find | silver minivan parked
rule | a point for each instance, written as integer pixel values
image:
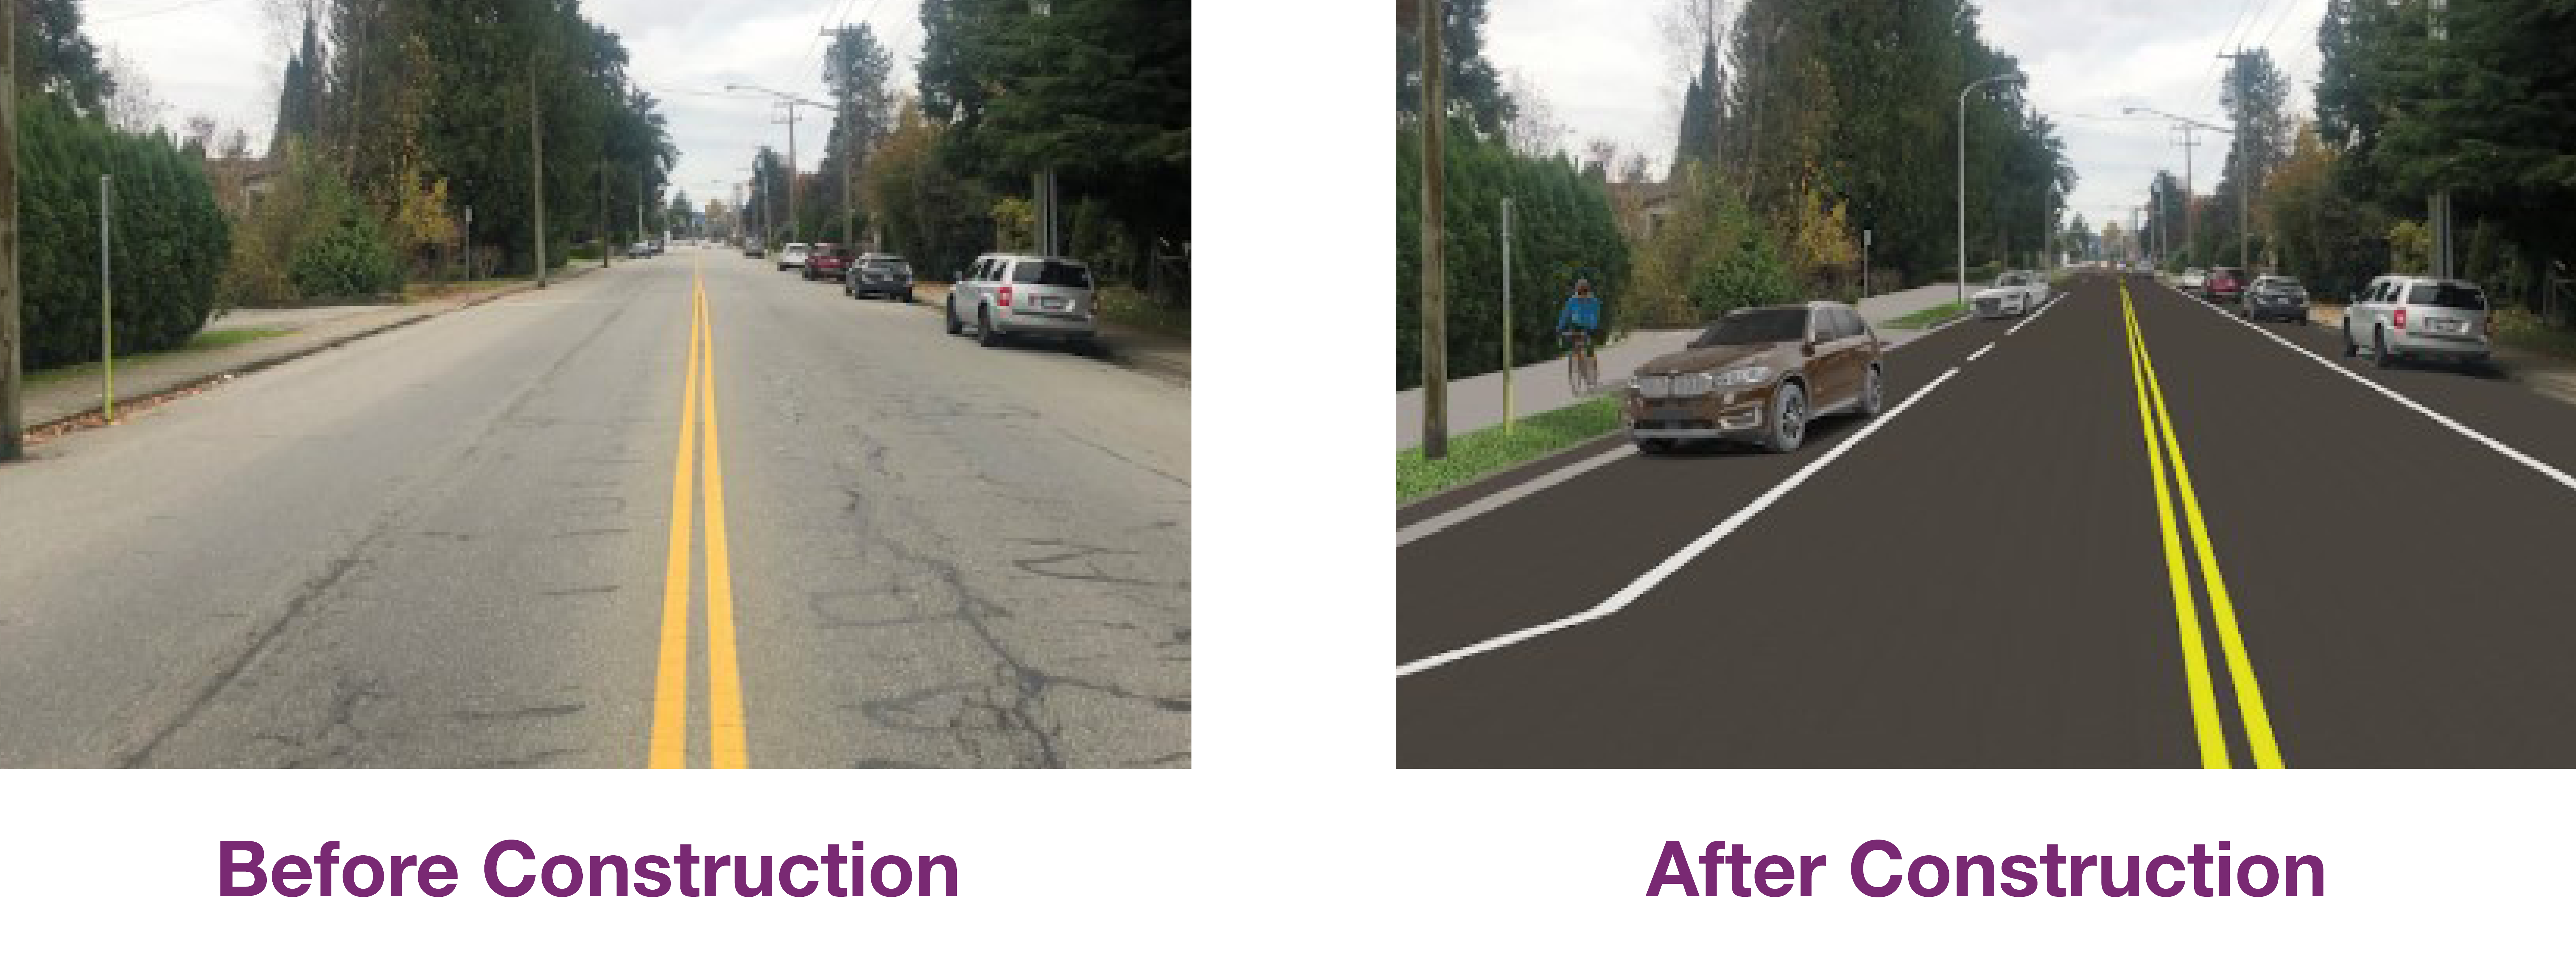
(2417, 317)
(1005, 294)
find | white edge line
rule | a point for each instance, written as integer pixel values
(2518, 456)
(1638, 587)
(1981, 350)
(1491, 501)
(1495, 501)
(1672, 564)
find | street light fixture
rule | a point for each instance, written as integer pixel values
(2016, 78)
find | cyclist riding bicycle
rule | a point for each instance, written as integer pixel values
(1577, 323)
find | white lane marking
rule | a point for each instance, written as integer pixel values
(1443, 521)
(1638, 587)
(2454, 425)
(1982, 350)
(2027, 319)
(1454, 517)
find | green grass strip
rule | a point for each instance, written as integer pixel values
(1917, 320)
(204, 341)
(2521, 329)
(1493, 449)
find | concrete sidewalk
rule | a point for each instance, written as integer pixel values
(72, 397)
(1477, 402)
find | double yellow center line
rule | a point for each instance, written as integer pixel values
(724, 675)
(2163, 447)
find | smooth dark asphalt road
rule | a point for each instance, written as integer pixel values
(447, 546)
(1983, 581)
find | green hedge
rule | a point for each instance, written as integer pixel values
(1562, 222)
(169, 240)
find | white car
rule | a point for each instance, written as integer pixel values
(2014, 293)
(792, 256)
(2416, 317)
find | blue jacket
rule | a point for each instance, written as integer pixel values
(1581, 311)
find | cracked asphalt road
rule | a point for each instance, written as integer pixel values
(445, 546)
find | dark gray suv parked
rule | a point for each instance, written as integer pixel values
(878, 273)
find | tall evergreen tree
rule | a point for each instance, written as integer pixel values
(55, 57)
(299, 95)
(1701, 107)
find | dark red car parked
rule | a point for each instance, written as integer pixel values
(2225, 286)
(827, 261)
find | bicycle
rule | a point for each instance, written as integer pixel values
(1582, 367)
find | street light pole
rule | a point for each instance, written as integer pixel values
(1963, 176)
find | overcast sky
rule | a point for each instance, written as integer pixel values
(1608, 71)
(223, 58)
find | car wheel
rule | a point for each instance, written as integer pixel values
(948, 315)
(1788, 419)
(2350, 348)
(984, 334)
(2379, 354)
(1873, 394)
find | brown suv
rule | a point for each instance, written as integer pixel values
(1758, 375)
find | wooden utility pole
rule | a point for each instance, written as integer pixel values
(604, 247)
(1435, 331)
(2244, 167)
(9, 415)
(537, 170)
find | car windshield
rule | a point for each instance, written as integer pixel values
(2011, 278)
(1755, 326)
(1050, 272)
(795, 246)
(2446, 295)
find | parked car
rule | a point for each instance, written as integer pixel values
(658, 245)
(792, 255)
(752, 249)
(639, 250)
(1758, 375)
(2412, 316)
(826, 260)
(2224, 286)
(2277, 297)
(1005, 294)
(2014, 293)
(2190, 280)
(879, 273)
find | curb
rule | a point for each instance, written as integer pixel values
(144, 399)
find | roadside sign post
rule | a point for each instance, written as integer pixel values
(1864, 263)
(469, 243)
(1507, 316)
(106, 306)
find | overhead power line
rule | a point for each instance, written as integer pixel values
(140, 14)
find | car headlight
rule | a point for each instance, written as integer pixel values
(1744, 376)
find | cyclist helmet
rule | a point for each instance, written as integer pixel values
(1582, 287)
